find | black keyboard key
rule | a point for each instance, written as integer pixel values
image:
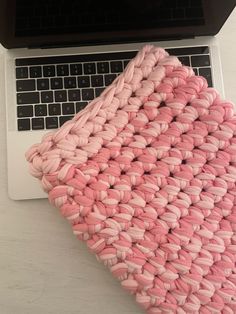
(54, 109)
(62, 70)
(83, 81)
(35, 72)
(60, 96)
(70, 82)
(89, 68)
(188, 51)
(25, 85)
(109, 78)
(68, 108)
(95, 57)
(43, 84)
(63, 119)
(200, 61)
(195, 71)
(74, 95)
(102, 67)
(98, 91)
(97, 80)
(87, 94)
(22, 73)
(116, 66)
(80, 105)
(56, 83)
(49, 70)
(206, 72)
(51, 122)
(126, 62)
(47, 97)
(27, 98)
(40, 110)
(185, 60)
(24, 111)
(37, 123)
(23, 124)
(76, 69)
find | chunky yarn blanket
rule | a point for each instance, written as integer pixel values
(146, 176)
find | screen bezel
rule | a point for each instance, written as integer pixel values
(7, 29)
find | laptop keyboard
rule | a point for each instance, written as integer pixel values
(51, 90)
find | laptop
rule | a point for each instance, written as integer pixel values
(60, 54)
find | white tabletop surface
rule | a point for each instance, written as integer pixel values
(44, 269)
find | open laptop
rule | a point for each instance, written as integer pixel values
(63, 53)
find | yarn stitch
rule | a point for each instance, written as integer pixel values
(146, 176)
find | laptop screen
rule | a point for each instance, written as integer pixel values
(65, 22)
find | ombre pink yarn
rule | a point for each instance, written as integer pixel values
(146, 176)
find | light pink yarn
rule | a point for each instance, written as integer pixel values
(146, 176)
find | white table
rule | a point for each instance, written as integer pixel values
(44, 269)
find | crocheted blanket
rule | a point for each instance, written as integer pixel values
(146, 176)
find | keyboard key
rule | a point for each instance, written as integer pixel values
(195, 71)
(87, 94)
(56, 83)
(47, 97)
(188, 51)
(40, 110)
(109, 78)
(63, 119)
(68, 108)
(54, 109)
(51, 122)
(23, 124)
(199, 61)
(98, 91)
(185, 60)
(116, 66)
(74, 94)
(206, 72)
(37, 123)
(83, 81)
(24, 111)
(25, 85)
(35, 72)
(27, 98)
(62, 70)
(60, 96)
(80, 106)
(103, 67)
(97, 80)
(76, 69)
(49, 70)
(89, 68)
(96, 57)
(70, 82)
(22, 73)
(43, 84)
(126, 62)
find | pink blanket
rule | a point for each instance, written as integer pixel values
(146, 176)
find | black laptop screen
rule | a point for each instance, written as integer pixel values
(37, 18)
(55, 22)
